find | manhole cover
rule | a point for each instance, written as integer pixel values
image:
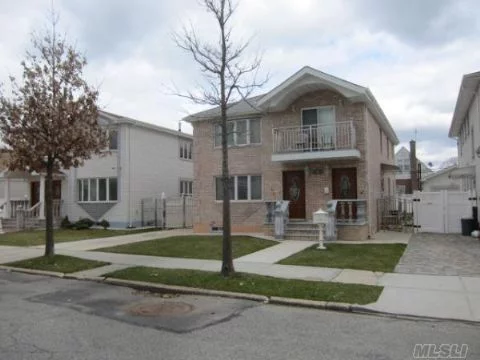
(160, 308)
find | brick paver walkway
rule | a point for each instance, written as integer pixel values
(441, 254)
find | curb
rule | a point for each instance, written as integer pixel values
(171, 289)
(275, 300)
(32, 271)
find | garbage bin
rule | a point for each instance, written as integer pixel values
(468, 225)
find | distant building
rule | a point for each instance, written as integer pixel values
(442, 180)
(403, 177)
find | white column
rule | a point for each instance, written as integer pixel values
(41, 214)
(6, 196)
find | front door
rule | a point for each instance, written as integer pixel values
(294, 191)
(34, 192)
(344, 183)
(57, 189)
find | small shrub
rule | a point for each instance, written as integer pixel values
(84, 224)
(104, 223)
(66, 224)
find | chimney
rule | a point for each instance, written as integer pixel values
(180, 126)
(413, 166)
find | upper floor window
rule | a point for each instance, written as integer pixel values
(186, 150)
(239, 132)
(97, 190)
(322, 115)
(113, 139)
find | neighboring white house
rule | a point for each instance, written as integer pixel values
(143, 160)
(402, 177)
(441, 180)
(465, 128)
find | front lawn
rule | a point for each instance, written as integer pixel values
(192, 247)
(373, 257)
(58, 263)
(37, 237)
(254, 284)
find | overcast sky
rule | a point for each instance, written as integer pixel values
(410, 53)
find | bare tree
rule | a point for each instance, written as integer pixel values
(50, 120)
(228, 78)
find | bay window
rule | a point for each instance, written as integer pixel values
(97, 190)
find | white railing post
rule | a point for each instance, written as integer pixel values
(310, 138)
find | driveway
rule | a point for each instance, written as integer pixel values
(441, 254)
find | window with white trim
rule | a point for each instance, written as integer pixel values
(97, 190)
(112, 139)
(186, 187)
(242, 187)
(186, 148)
(239, 132)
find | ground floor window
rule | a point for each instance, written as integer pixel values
(242, 187)
(97, 190)
(186, 187)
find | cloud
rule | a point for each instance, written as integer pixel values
(411, 54)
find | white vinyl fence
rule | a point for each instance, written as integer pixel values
(168, 213)
(442, 211)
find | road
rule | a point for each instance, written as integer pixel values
(50, 318)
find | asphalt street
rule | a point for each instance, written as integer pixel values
(50, 318)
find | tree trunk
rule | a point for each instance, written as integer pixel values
(227, 258)
(49, 241)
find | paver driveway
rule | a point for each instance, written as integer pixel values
(441, 254)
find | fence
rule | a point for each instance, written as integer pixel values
(168, 213)
(395, 213)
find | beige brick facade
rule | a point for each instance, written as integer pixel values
(256, 160)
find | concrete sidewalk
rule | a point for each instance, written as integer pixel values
(447, 297)
(92, 244)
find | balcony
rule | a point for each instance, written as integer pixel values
(315, 142)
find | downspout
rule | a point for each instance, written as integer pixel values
(368, 191)
(475, 153)
(129, 177)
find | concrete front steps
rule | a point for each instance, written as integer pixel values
(9, 225)
(306, 230)
(296, 230)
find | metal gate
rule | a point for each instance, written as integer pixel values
(441, 212)
(169, 213)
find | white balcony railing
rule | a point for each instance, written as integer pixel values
(351, 211)
(338, 136)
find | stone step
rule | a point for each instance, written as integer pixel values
(303, 237)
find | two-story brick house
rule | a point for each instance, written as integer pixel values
(311, 139)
